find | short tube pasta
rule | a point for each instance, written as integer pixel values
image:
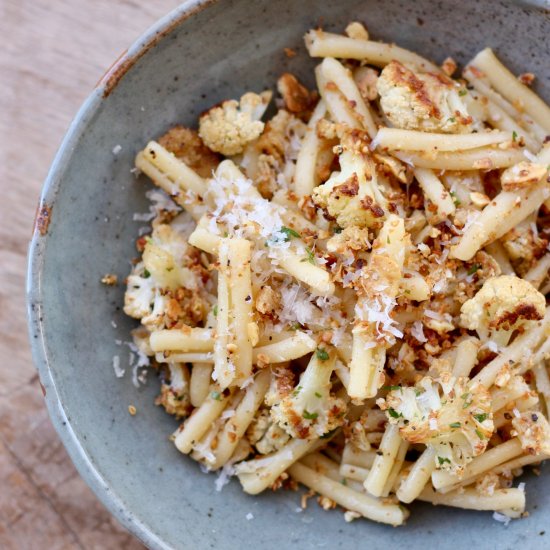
(348, 498)
(314, 273)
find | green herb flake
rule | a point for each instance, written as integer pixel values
(456, 200)
(479, 434)
(455, 425)
(514, 135)
(473, 269)
(462, 93)
(310, 256)
(216, 395)
(215, 310)
(289, 233)
(392, 388)
(393, 413)
(452, 119)
(297, 391)
(146, 274)
(322, 354)
(344, 481)
(295, 326)
(418, 391)
(337, 230)
(309, 416)
(481, 417)
(317, 394)
(442, 460)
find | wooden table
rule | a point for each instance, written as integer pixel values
(53, 52)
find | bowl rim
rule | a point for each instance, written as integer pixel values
(35, 256)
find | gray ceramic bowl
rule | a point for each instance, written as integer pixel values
(202, 53)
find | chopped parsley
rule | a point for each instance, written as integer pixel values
(215, 310)
(337, 230)
(462, 92)
(393, 413)
(310, 256)
(456, 200)
(309, 416)
(289, 233)
(295, 326)
(392, 388)
(455, 425)
(473, 269)
(442, 460)
(317, 394)
(216, 395)
(479, 434)
(418, 391)
(481, 417)
(452, 119)
(146, 274)
(297, 391)
(322, 354)
(514, 135)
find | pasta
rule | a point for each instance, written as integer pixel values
(351, 295)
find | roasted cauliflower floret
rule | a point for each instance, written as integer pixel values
(350, 241)
(352, 196)
(422, 101)
(311, 411)
(229, 127)
(444, 414)
(164, 286)
(174, 393)
(524, 245)
(533, 431)
(140, 293)
(266, 435)
(502, 305)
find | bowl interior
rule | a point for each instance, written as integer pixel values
(77, 325)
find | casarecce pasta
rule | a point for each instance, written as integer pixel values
(351, 295)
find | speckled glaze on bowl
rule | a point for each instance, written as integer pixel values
(199, 54)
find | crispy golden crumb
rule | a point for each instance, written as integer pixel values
(109, 279)
(132, 410)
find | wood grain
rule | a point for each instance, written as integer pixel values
(53, 53)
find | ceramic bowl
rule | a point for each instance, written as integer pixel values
(202, 53)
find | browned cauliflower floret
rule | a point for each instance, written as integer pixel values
(422, 101)
(310, 410)
(524, 245)
(352, 196)
(265, 435)
(533, 432)
(229, 127)
(502, 305)
(444, 414)
(188, 146)
(164, 286)
(349, 241)
(174, 394)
